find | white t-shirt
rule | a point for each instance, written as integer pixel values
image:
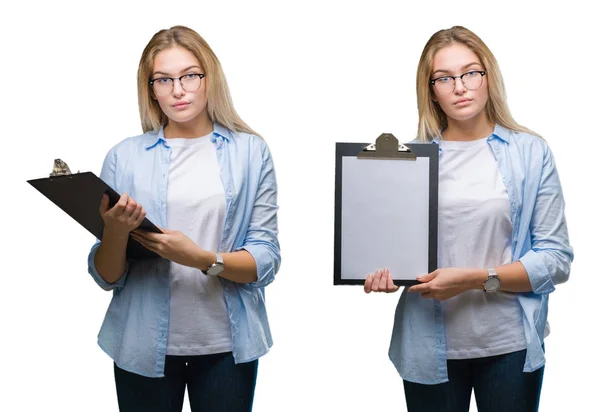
(475, 232)
(198, 319)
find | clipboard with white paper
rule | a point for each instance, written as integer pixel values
(386, 210)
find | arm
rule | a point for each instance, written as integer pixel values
(261, 241)
(546, 264)
(107, 260)
(240, 267)
(256, 262)
(513, 278)
(125, 216)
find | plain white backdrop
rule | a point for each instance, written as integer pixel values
(305, 75)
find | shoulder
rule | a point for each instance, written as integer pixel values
(131, 147)
(250, 144)
(531, 148)
(136, 143)
(523, 140)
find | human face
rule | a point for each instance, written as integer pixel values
(180, 106)
(462, 104)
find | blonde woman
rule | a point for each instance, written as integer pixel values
(479, 321)
(194, 317)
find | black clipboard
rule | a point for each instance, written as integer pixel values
(79, 196)
(386, 151)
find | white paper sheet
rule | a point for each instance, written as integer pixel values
(385, 217)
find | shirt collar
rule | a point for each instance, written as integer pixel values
(158, 136)
(501, 133)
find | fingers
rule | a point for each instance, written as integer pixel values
(428, 277)
(138, 215)
(376, 280)
(383, 280)
(125, 206)
(130, 207)
(147, 243)
(423, 287)
(390, 283)
(123, 201)
(126, 214)
(368, 283)
(380, 281)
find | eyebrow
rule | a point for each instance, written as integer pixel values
(182, 71)
(463, 68)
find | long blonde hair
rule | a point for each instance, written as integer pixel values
(432, 119)
(219, 105)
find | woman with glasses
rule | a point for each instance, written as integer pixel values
(194, 316)
(479, 321)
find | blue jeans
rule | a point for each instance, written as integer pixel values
(214, 383)
(499, 382)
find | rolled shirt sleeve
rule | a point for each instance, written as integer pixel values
(548, 263)
(261, 238)
(107, 174)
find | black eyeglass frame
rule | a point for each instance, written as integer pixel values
(481, 72)
(200, 75)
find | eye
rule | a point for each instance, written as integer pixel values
(190, 76)
(162, 80)
(445, 79)
(473, 73)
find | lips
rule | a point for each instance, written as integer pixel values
(462, 101)
(181, 105)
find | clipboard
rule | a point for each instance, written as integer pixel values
(79, 196)
(386, 210)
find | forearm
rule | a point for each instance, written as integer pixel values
(513, 278)
(110, 259)
(239, 267)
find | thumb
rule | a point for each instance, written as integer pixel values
(104, 204)
(428, 277)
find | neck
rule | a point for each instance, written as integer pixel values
(200, 126)
(467, 130)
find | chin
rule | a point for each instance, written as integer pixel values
(181, 118)
(464, 115)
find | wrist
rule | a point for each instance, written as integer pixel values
(115, 233)
(478, 278)
(205, 259)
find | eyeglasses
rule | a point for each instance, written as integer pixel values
(471, 80)
(163, 86)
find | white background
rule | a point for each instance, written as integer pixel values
(305, 75)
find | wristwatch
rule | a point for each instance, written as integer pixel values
(216, 268)
(492, 284)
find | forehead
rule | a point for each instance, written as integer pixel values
(454, 58)
(174, 60)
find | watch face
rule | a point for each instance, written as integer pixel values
(492, 284)
(215, 269)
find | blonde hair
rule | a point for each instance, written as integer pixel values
(219, 105)
(432, 119)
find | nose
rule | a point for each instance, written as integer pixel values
(178, 90)
(459, 86)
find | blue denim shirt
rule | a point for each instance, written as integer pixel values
(539, 241)
(135, 328)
